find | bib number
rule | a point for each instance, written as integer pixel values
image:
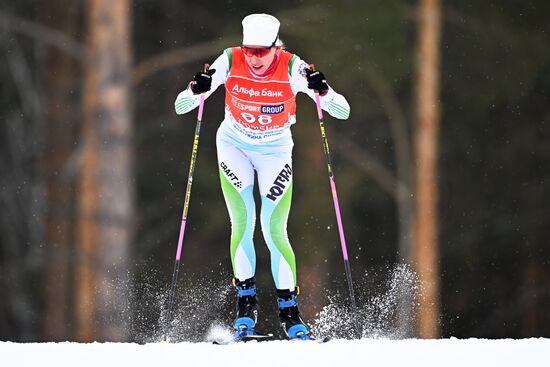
(262, 119)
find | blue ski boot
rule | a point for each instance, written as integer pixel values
(247, 306)
(289, 315)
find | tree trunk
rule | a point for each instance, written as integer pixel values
(60, 112)
(106, 195)
(427, 126)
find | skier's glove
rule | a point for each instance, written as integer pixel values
(202, 81)
(316, 81)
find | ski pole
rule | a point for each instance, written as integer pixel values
(337, 211)
(172, 294)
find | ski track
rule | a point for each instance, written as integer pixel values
(364, 352)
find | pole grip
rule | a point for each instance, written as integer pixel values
(317, 98)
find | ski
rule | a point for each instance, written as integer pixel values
(311, 339)
(267, 337)
(306, 337)
(243, 337)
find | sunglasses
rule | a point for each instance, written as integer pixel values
(258, 52)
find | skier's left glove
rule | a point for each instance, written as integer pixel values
(202, 81)
(316, 81)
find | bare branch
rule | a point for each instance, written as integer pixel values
(364, 160)
(397, 121)
(200, 51)
(20, 72)
(43, 34)
(179, 56)
(30, 142)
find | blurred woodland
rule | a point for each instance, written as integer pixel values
(443, 164)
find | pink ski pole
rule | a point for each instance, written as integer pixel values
(172, 293)
(337, 211)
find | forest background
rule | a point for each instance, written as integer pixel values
(94, 161)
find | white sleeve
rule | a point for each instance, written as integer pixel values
(187, 101)
(335, 104)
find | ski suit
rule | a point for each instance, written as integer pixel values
(255, 136)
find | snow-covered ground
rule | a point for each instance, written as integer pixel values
(365, 352)
(382, 344)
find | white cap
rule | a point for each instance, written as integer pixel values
(260, 30)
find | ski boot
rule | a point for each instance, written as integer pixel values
(247, 306)
(289, 315)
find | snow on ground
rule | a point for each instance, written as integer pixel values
(365, 352)
(382, 344)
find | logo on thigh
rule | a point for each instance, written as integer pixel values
(280, 183)
(231, 176)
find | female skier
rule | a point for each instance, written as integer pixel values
(261, 82)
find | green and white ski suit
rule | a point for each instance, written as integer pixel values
(246, 142)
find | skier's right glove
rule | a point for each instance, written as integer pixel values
(202, 81)
(316, 81)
